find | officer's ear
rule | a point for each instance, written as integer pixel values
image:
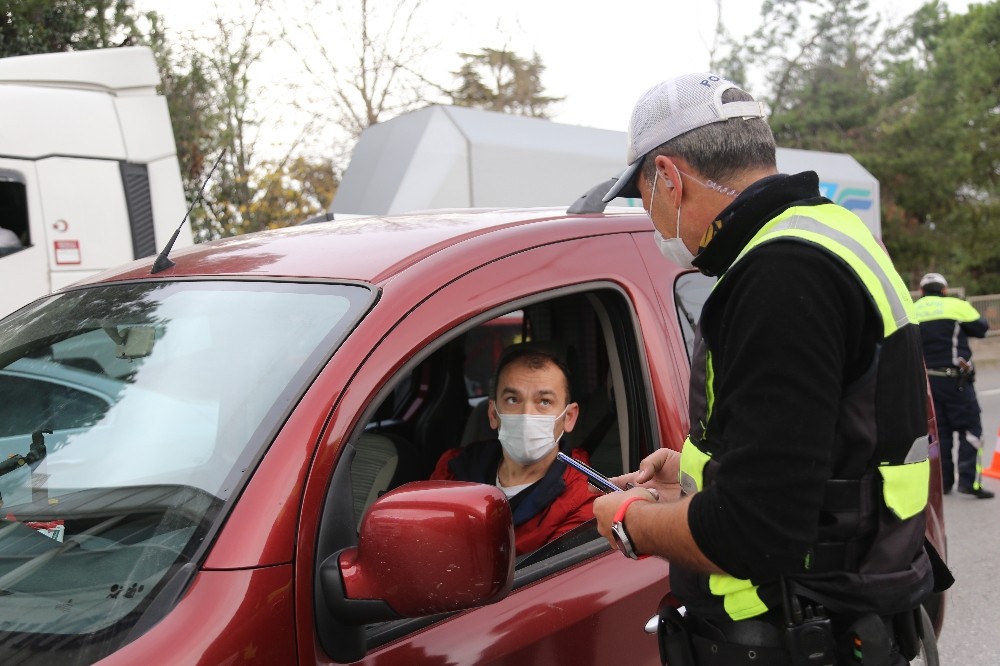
(665, 168)
(670, 175)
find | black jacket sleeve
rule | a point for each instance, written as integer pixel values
(976, 329)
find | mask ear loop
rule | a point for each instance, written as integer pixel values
(677, 231)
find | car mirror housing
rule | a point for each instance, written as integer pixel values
(424, 548)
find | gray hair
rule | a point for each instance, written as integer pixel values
(721, 151)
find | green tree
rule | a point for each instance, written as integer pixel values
(48, 26)
(500, 80)
(915, 103)
(940, 145)
(819, 60)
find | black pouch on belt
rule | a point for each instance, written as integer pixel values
(673, 638)
(867, 641)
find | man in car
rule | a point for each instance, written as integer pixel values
(805, 473)
(531, 407)
(945, 326)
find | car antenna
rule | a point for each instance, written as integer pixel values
(163, 261)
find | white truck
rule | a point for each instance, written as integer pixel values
(89, 177)
(453, 157)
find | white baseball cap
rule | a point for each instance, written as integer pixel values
(671, 108)
(933, 278)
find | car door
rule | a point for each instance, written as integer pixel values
(575, 599)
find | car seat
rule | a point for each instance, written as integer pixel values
(382, 462)
(441, 420)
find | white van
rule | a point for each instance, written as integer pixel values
(89, 177)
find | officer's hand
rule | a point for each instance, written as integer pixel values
(659, 470)
(607, 505)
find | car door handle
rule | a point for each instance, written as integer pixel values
(654, 622)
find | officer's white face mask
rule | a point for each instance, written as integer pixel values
(527, 438)
(674, 248)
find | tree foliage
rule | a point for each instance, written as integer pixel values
(940, 146)
(185, 81)
(819, 61)
(47, 26)
(210, 95)
(364, 57)
(293, 190)
(213, 99)
(916, 103)
(500, 80)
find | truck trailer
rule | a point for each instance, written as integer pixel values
(456, 157)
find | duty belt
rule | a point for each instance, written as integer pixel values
(948, 372)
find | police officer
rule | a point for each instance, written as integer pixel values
(945, 326)
(799, 533)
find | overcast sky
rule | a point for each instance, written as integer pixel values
(599, 55)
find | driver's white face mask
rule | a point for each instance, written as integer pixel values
(674, 248)
(527, 438)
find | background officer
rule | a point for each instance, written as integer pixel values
(946, 323)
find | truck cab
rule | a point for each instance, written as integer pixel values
(89, 177)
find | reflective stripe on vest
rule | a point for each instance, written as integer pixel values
(859, 250)
(693, 461)
(905, 487)
(843, 234)
(739, 597)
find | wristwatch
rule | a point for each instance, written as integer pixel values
(620, 534)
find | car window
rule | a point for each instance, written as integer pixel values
(691, 290)
(128, 416)
(25, 402)
(483, 345)
(422, 414)
(15, 234)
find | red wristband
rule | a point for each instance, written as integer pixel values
(620, 533)
(623, 507)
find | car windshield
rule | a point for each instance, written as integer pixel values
(128, 414)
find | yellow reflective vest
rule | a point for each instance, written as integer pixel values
(891, 494)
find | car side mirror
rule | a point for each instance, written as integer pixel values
(424, 548)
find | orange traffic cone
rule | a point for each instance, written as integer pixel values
(994, 469)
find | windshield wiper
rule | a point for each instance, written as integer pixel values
(35, 454)
(37, 562)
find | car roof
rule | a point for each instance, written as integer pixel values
(373, 249)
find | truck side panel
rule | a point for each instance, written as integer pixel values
(37, 122)
(136, 115)
(168, 208)
(84, 217)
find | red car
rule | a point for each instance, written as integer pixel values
(225, 462)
